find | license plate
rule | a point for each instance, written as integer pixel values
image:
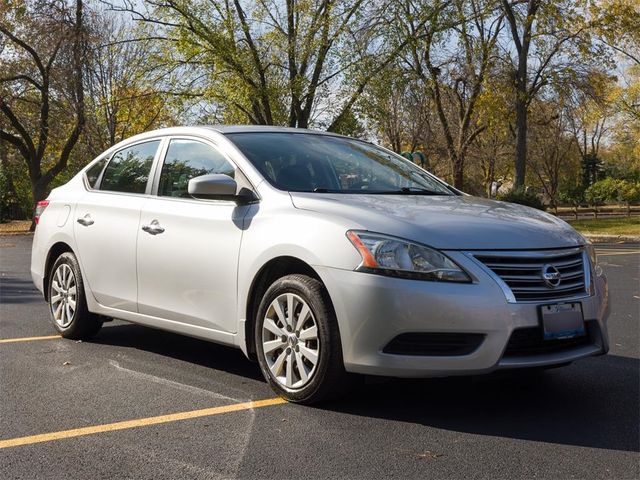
(562, 320)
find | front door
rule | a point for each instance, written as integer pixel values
(187, 248)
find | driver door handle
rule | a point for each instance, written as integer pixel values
(85, 221)
(153, 228)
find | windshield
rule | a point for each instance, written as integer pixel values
(302, 162)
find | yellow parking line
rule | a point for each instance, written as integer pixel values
(28, 339)
(141, 422)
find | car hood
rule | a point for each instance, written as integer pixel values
(446, 222)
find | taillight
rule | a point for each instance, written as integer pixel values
(40, 206)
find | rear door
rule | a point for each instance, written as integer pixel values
(106, 224)
(187, 248)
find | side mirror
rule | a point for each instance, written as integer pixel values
(214, 187)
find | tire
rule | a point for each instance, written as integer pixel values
(68, 305)
(326, 377)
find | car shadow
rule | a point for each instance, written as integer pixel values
(179, 347)
(592, 403)
(18, 291)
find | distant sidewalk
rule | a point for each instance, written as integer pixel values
(622, 239)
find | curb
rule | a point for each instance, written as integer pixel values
(13, 234)
(620, 239)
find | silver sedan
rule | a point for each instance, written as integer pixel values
(319, 256)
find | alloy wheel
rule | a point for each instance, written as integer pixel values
(63, 295)
(290, 341)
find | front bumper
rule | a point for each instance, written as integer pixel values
(372, 310)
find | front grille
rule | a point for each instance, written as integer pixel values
(434, 344)
(522, 272)
(530, 341)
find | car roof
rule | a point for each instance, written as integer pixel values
(224, 129)
(202, 129)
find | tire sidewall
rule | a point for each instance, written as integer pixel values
(322, 314)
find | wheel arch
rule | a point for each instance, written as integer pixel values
(54, 252)
(271, 271)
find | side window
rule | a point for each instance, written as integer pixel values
(93, 173)
(128, 170)
(185, 160)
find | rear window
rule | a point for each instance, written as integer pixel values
(129, 169)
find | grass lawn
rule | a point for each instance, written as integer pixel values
(15, 226)
(628, 226)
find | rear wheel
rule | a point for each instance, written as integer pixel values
(67, 301)
(297, 341)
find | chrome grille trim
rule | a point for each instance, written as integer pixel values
(519, 273)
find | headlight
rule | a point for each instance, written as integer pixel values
(400, 258)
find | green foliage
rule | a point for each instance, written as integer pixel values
(15, 203)
(631, 192)
(591, 169)
(348, 124)
(5, 200)
(522, 197)
(613, 190)
(573, 195)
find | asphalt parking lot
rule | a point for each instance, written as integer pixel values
(62, 404)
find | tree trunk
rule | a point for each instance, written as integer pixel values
(39, 192)
(521, 139)
(457, 164)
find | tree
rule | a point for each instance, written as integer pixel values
(400, 110)
(553, 153)
(492, 149)
(129, 89)
(549, 40)
(618, 26)
(456, 80)
(588, 110)
(273, 61)
(42, 82)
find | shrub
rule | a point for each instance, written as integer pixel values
(602, 191)
(5, 199)
(613, 190)
(630, 192)
(522, 197)
(573, 195)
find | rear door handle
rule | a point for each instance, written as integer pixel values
(153, 228)
(86, 220)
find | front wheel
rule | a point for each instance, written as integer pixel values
(298, 342)
(67, 301)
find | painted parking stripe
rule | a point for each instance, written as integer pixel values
(29, 339)
(141, 422)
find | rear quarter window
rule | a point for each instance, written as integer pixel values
(93, 173)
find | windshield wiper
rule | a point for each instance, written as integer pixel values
(400, 191)
(416, 191)
(324, 190)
